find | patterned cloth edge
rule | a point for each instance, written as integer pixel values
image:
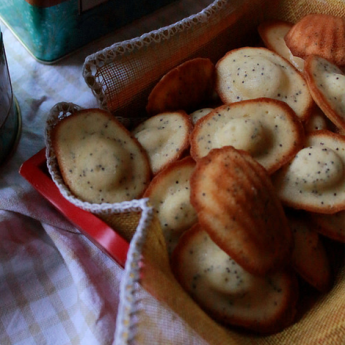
(58, 112)
(125, 331)
(108, 54)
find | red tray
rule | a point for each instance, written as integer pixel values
(35, 171)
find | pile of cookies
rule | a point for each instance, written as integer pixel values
(243, 163)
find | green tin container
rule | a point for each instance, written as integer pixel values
(10, 120)
(51, 29)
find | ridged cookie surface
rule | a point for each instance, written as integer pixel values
(318, 34)
(227, 292)
(100, 161)
(248, 73)
(185, 87)
(237, 205)
(266, 128)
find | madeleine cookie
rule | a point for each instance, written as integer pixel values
(185, 87)
(229, 293)
(309, 257)
(314, 180)
(272, 34)
(237, 205)
(317, 121)
(326, 83)
(330, 225)
(100, 161)
(318, 34)
(266, 128)
(169, 194)
(198, 114)
(165, 137)
(248, 73)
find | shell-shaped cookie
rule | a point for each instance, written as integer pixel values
(314, 180)
(272, 34)
(237, 205)
(330, 225)
(248, 73)
(165, 137)
(169, 193)
(229, 293)
(266, 128)
(185, 87)
(99, 160)
(326, 83)
(309, 256)
(199, 114)
(317, 121)
(318, 34)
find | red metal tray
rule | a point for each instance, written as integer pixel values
(35, 171)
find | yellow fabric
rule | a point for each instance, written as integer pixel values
(143, 69)
(124, 223)
(324, 322)
(321, 318)
(321, 322)
(293, 10)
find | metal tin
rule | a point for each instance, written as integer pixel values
(51, 29)
(10, 119)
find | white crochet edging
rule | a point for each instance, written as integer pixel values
(109, 54)
(57, 113)
(125, 328)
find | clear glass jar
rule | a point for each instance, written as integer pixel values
(9, 117)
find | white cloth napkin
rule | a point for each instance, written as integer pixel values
(56, 287)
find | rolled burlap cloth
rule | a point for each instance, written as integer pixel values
(154, 309)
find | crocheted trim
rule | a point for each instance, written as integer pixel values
(108, 55)
(126, 329)
(57, 113)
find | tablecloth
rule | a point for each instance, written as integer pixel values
(56, 287)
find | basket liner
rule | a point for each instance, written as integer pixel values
(124, 216)
(154, 309)
(122, 75)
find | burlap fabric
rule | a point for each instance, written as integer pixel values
(153, 307)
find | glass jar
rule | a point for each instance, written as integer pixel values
(9, 110)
